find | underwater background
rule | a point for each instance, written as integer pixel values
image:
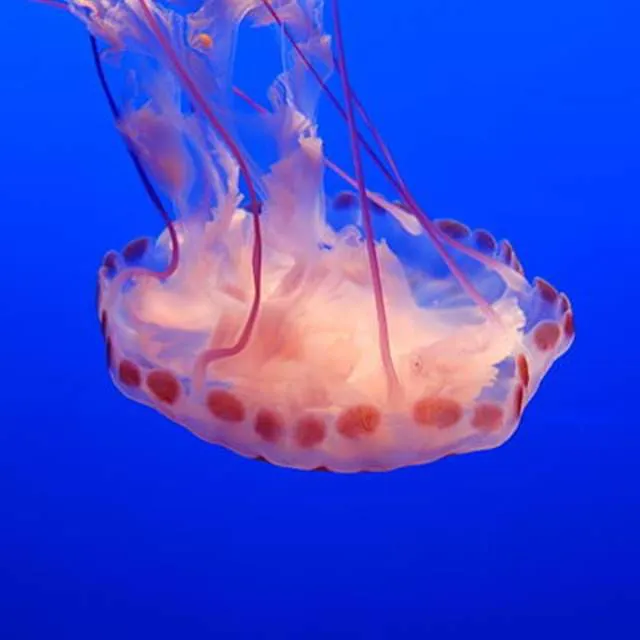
(520, 117)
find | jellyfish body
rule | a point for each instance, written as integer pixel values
(345, 333)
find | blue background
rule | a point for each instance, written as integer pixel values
(115, 523)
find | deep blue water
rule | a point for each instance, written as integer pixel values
(522, 117)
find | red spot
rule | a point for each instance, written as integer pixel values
(310, 431)
(546, 291)
(225, 406)
(269, 425)
(109, 353)
(523, 370)
(453, 229)
(110, 264)
(322, 469)
(135, 250)
(129, 374)
(345, 200)
(517, 265)
(569, 328)
(507, 251)
(487, 417)
(164, 386)
(104, 321)
(518, 401)
(546, 335)
(358, 421)
(485, 241)
(437, 412)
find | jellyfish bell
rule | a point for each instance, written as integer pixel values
(348, 333)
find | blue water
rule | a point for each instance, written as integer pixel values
(521, 117)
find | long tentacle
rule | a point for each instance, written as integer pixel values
(374, 266)
(437, 237)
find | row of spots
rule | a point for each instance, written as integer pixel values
(547, 334)
(458, 231)
(311, 430)
(132, 254)
(362, 421)
(445, 413)
(163, 385)
(482, 240)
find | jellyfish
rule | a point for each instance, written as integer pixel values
(345, 331)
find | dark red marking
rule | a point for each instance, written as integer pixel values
(129, 374)
(518, 401)
(310, 431)
(487, 417)
(135, 250)
(109, 353)
(546, 291)
(269, 425)
(568, 325)
(507, 251)
(453, 229)
(225, 406)
(322, 469)
(517, 265)
(546, 335)
(110, 264)
(358, 421)
(164, 386)
(523, 370)
(437, 412)
(104, 322)
(485, 241)
(345, 200)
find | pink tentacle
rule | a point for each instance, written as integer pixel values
(436, 236)
(374, 266)
(210, 355)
